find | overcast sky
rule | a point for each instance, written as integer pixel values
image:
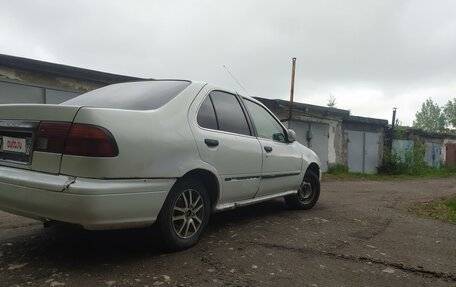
(370, 55)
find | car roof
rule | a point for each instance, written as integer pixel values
(202, 84)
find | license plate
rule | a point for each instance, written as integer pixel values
(14, 145)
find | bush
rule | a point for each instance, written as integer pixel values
(338, 169)
(410, 163)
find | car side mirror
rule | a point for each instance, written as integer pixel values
(291, 135)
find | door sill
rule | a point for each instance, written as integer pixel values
(233, 205)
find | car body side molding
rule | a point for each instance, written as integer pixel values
(233, 205)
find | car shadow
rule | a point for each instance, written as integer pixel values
(75, 246)
(247, 214)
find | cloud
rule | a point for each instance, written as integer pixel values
(372, 55)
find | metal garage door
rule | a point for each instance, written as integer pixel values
(402, 148)
(432, 155)
(363, 151)
(16, 93)
(13, 93)
(58, 96)
(314, 136)
(451, 154)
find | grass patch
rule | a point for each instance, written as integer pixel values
(340, 172)
(443, 209)
(451, 203)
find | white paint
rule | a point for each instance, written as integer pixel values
(332, 157)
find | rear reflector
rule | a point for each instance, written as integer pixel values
(75, 139)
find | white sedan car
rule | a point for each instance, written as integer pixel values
(166, 151)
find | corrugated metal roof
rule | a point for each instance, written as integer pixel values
(63, 70)
(312, 110)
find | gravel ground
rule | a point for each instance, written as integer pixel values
(359, 234)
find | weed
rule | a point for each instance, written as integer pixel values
(410, 162)
(338, 169)
(426, 172)
(443, 209)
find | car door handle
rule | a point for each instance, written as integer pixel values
(268, 148)
(211, 142)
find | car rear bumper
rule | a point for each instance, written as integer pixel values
(93, 203)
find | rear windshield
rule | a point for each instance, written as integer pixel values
(147, 95)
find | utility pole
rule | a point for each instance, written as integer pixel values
(394, 118)
(290, 106)
(390, 133)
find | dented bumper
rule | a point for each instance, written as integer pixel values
(92, 203)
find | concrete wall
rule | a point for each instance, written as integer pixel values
(50, 87)
(431, 141)
(44, 80)
(335, 152)
(339, 126)
(335, 138)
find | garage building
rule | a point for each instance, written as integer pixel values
(335, 135)
(24, 80)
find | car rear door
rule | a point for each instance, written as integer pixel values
(225, 141)
(281, 170)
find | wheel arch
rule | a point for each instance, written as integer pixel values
(314, 168)
(209, 180)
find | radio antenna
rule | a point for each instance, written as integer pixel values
(236, 80)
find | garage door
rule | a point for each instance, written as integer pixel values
(363, 150)
(451, 154)
(432, 155)
(58, 96)
(314, 136)
(16, 93)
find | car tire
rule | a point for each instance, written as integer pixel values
(308, 193)
(184, 215)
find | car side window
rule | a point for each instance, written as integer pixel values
(229, 113)
(206, 115)
(266, 125)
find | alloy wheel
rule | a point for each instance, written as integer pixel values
(188, 212)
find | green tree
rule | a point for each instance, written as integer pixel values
(450, 112)
(331, 101)
(430, 117)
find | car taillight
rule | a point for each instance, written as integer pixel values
(90, 140)
(76, 139)
(51, 136)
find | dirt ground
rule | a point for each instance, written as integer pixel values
(359, 234)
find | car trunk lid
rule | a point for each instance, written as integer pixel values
(18, 128)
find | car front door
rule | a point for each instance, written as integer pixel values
(281, 169)
(225, 140)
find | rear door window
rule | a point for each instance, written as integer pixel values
(206, 115)
(222, 111)
(229, 113)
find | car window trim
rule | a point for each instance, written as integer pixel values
(241, 104)
(253, 136)
(215, 111)
(250, 122)
(227, 133)
(247, 119)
